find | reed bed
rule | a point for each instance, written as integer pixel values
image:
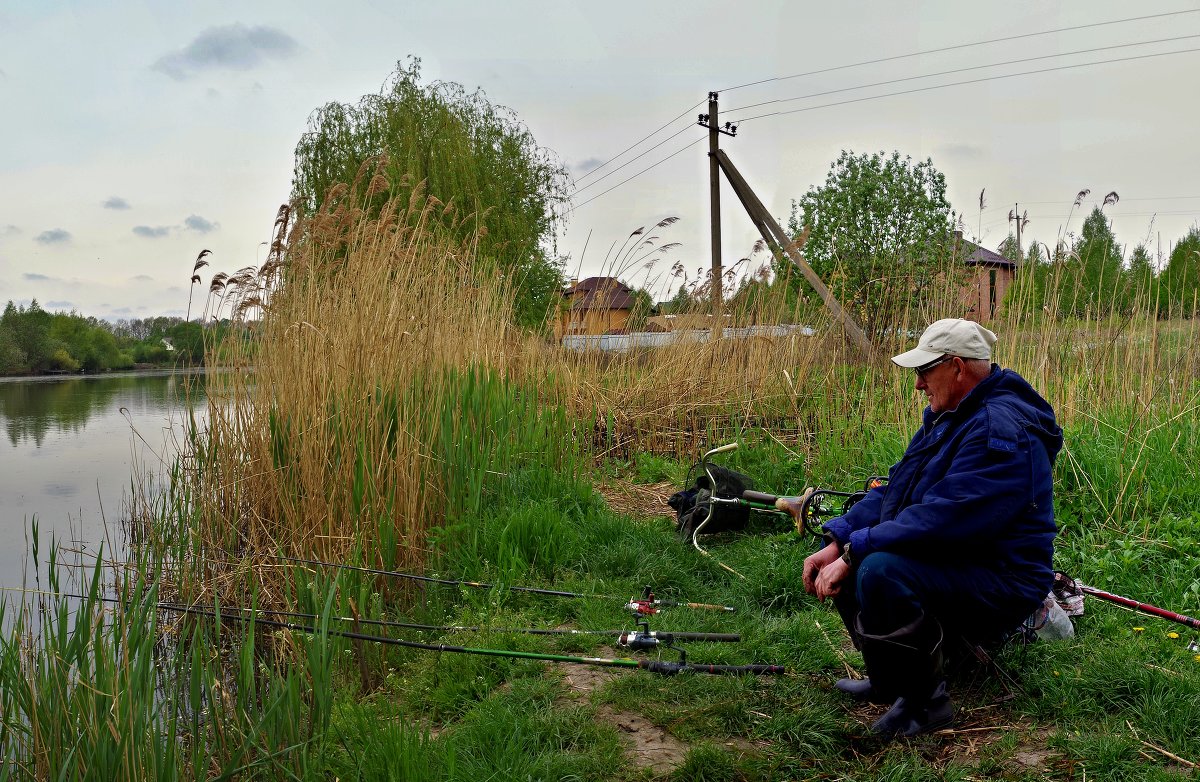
(370, 403)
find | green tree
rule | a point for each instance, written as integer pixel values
(30, 333)
(1093, 282)
(1181, 277)
(1143, 291)
(1009, 249)
(643, 308)
(468, 152)
(880, 232)
(681, 302)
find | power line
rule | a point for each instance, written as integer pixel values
(595, 182)
(1063, 201)
(964, 70)
(960, 46)
(643, 138)
(968, 81)
(644, 170)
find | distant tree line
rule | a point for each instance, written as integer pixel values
(34, 341)
(1092, 275)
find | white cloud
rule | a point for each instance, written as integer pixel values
(116, 202)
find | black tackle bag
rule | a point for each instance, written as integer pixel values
(692, 505)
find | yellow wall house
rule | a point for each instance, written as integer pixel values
(597, 305)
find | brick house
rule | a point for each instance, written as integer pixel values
(596, 305)
(989, 277)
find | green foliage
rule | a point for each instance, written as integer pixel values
(1008, 248)
(1093, 280)
(34, 341)
(468, 152)
(643, 307)
(881, 230)
(1181, 278)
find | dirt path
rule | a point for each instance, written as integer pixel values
(646, 744)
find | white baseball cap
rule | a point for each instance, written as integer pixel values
(949, 336)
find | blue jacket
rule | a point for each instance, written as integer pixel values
(974, 487)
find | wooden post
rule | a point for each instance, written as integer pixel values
(714, 197)
(774, 235)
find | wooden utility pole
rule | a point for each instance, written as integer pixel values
(1017, 217)
(775, 237)
(709, 121)
(714, 199)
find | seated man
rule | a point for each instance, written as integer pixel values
(961, 536)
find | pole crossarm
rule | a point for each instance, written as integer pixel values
(775, 237)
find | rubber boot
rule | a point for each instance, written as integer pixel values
(861, 690)
(908, 664)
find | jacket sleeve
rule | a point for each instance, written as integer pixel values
(987, 484)
(861, 515)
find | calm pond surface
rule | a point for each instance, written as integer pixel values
(68, 450)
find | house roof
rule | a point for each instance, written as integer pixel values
(600, 293)
(981, 255)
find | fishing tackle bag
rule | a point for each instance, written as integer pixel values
(693, 504)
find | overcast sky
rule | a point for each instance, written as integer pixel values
(136, 134)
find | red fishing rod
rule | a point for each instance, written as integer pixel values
(1145, 608)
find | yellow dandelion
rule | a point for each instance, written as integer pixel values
(1138, 629)
(1172, 635)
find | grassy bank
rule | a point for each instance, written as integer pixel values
(394, 420)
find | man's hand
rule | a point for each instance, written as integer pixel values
(816, 564)
(829, 580)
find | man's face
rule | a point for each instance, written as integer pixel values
(939, 380)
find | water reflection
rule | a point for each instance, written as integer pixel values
(30, 409)
(69, 450)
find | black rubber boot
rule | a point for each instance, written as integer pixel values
(861, 690)
(907, 663)
(912, 717)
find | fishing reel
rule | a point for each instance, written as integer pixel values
(644, 639)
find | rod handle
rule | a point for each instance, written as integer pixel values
(715, 637)
(760, 497)
(670, 669)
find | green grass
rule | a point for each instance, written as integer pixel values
(134, 693)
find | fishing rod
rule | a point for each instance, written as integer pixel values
(647, 605)
(1145, 608)
(654, 666)
(642, 638)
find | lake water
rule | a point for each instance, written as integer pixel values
(68, 450)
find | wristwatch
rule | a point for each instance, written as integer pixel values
(846, 554)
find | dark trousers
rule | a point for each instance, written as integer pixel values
(891, 591)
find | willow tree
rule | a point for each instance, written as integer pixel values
(472, 155)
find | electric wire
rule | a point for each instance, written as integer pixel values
(891, 95)
(965, 82)
(638, 174)
(892, 58)
(595, 182)
(962, 46)
(964, 70)
(651, 134)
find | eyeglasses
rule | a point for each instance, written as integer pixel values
(922, 371)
